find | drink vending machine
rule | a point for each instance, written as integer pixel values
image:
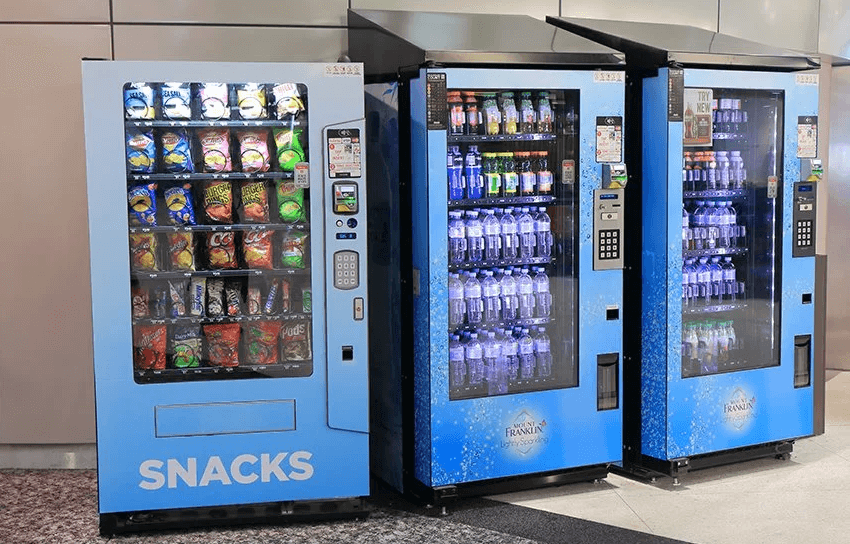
(497, 251)
(726, 267)
(227, 208)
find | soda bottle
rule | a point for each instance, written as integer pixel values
(457, 238)
(543, 353)
(510, 354)
(456, 182)
(543, 229)
(510, 240)
(492, 236)
(473, 117)
(457, 117)
(457, 364)
(457, 306)
(525, 290)
(492, 176)
(527, 238)
(542, 296)
(472, 170)
(492, 114)
(544, 113)
(474, 237)
(687, 171)
(527, 176)
(510, 180)
(526, 113)
(494, 366)
(510, 116)
(474, 360)
(527, 359)
(491, 293)
(717, 286)
(510, 300)
(544, 175)
(730, 283)
(472, 296)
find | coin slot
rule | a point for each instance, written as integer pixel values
(347, 353)
(807, 298)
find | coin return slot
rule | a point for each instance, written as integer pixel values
(347, 353)
(807, 298)
(612, 314)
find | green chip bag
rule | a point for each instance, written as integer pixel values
(294, 251)
(186, 347)
(290, 201)
(289, 149)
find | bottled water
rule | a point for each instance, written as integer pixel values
(525, 290)
(730, 282)
(510, 300)
(497, 377)
(703, 281)
(732, 221)
(723, 228)
(722, 345)
(457, 364)
(527, 239)
(686, 288)
(491, 298)
(543, 228)
(716, 272)
(691, 350)
(710, 241)
(474, 360)
(723, 177)
(457, 306)
(699, 230)
(542, 296)
(472, 171)
(527, 359)
(454, 164)
(492, 239)
(703, 353)
(457, 238)
(510, 354)
(693, 282)
(472, 295)
(510, 240)
(474, 237)
(544, 356)
(687, 234)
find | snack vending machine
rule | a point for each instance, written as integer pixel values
(726, 269)
(497, 245)
(227, 208)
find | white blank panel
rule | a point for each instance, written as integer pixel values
(699, 13)
(535, 8)
(834, 28)
(253, 12)
(789, 24)
(218, 43)
(53, 11)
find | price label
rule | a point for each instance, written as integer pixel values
(807, 79)
(302, 175)
(609, 77)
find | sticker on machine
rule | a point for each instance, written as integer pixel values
(524, 434)
(740, 408)
(697, 119)
(609, 139)
(344, 153)
(807, 137)
(344, 69)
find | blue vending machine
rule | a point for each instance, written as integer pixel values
(726, 266)
(497, 185)
(227, 215)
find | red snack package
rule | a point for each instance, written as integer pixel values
(149, 347)
(223, 344)
(261, 342)
(257, 247)
(182, 250)
(218, 201)
(141, 302)
(143, 251)
(296, 344)
(221, 249)
(255, 202)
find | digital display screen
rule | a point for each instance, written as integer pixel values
(346, 235)
(609, 196)
(805, 188)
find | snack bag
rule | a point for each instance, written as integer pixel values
(286, 100)
(221, 249)
(257, 248)
(214, 100)
(178, 200)
(289, 149)
(233, 295)
(141, 151)
(177, 293)
(306, 300)
(176, 100)
(295, 342)
(176, 152)
(140, 301)
(215, 149)
(218, 201)
(186, 347)
(251, 101)
(253, 300)
(143, 251)
(290, 202)
(215, 297)
(294, 249)
(197, 291)
(138, 101)
(254, 150)
(261, 342)
(255, 202)
(181, 248)
(149, 347)
(142, 199)
(223, 344)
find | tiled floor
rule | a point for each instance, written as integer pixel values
(804, 500)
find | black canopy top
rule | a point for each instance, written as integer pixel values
(651, 45)
(388, 40)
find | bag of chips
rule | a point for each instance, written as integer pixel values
(218, 201)
(176, 151)
(289, 149)
(149, 343)
(261, 342)
(144, 255)
(257, 248)
(221, 250)
(254, 150)
(181, 248)
(286, 100)
(178, 200)
(233, 296)
(138, 101)
(215, 297)
(295, 342)
(186, 347)
(255, 202)
(176, 100)
(214, 101)
(290, 201)
(177, 293)
(197, 296)
(251, 101)
(142, 199)
(141, 151)
(140, 301)
(215, 149)
(294, 249)
(223, 344)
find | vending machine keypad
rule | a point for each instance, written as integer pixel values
(608, 245)
(346, 270)
(805, 212)
(804, 233)
(608, 215)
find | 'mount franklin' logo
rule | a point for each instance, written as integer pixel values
(739, 409)
(524, 434)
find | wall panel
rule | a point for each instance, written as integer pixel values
(535, 8)
(254, 12)
(790, 24)
(699, 13)
(44, 11)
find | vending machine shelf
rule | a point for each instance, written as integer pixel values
(715, 308)
(280, 370)
(483, 138)
(717, 193)
(714, 252)
(222, 228)
(207, 176)
(198, 320)
(501, 263)
(233, 123)
(168, 275)
(501, 201)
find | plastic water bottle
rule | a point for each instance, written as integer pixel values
(527, 359)
(734, 343)
(457, 306)
(457, 364)
(704, 281)
(722, 340)
(510, 354)
(472, 296)
(699, 229)
(474, 360)
(693, 282)
(542, 296)
(686, 288)
(732, 221)
(527, 239)
(491, 298)
(711, 236)
(730, 282)
(457, 238)
(510, 240)
(723, 176)
(692, 346)
(543, 228)
(474, 237)
(472, 171)
(497, 376)
(454, 164)
(525, 290)
(687, 234)
(510, 300)
(710, 362)
(716, 272)
(492, 236)
(703, 354)
(543, 353)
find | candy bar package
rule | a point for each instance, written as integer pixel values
(254, 197)
(306, 300)
(144, 254)
(233, 297)
(286, 100)
(294, 249)
(221, 250)
(289, 149)
(213, 99)
(142, 201)
(290, 202)
(197, 296)
(159, 302)
(149, 344)
(270, 306)
(254, 150)
(251, 100)
(254, 300)
(181, 249)
(295, 341)
(215, 149)
(218, 201)
(178, 200)
(177, 290)
(141, 301)
(261, 342)
(223, 344)
(257, 248)
(186, 347)
(215, 297)
(285, 296)
(176, 100)
(176, 151)
(141, 151)
(138, 101)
